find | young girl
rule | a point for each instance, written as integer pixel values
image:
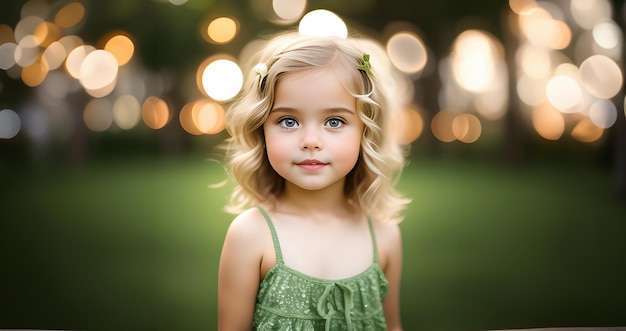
(312, 151)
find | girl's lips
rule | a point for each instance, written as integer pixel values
(311, 164)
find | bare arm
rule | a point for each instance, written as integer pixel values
(239, 274)
(393, 271)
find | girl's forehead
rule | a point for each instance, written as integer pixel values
(319, 87)
(323, 77)
(315, 75)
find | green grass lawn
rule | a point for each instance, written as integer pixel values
(134, 245)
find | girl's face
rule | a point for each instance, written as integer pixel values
(313, 133)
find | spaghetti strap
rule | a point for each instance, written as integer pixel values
(278, 252)
(369, 221)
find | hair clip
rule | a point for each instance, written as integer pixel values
(261, 71)
(364, 64)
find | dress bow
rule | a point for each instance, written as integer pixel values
(327, 309)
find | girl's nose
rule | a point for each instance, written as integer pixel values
(311, 140)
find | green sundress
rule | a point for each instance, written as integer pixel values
(291, 300)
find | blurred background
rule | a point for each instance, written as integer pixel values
(112, 185)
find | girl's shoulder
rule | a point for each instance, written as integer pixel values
(247, 226)
(386, 229)
(388, 234)
(249, 215)
(389, 242)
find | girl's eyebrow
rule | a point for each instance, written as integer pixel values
(327, 110)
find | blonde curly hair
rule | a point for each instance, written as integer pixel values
(370, 183)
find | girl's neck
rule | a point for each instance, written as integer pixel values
(331, 200)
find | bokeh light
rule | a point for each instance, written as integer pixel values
(210, 118)
(543, 30)
(534, 61)
(187, 121)
(522, 7)
(54, 55)
(564, 93)
(587, 132)
(409, 125)
(70, 15)
(202, 117)
(289, 10)
(71, 42)
(603, 114)
(98, 114)
(601, 76)
(98, 73)
(475, 76)
(6, 34)
(587, 13)
(407, 52)
(126, 112)
(474, 56)
(322, 22)
(155, 112)
(219, 78)
(221, 30)
(75, 59)
(25, 54)
(441, 126)
(25, 30)
(46, 33)
(607, 35)
(10, 124)
(121, 46)
(531, 91)
(39, 8)
(7, 55)
(466, 128)
(35, 73)
(548, 122)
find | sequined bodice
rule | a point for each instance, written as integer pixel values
(291, 300)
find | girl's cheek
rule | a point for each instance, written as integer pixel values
(277, 147)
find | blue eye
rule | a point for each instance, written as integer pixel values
(335, 122)
(288, 122)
